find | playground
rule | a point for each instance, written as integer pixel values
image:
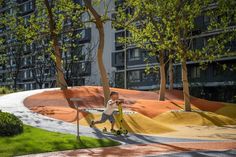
(156, 128)
(145, 114)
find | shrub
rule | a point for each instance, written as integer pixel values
(5, 90)
(9, 124)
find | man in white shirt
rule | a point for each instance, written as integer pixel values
(109, 111)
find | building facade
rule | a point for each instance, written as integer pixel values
(213, 83)
(25, 71)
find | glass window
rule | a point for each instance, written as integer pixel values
(144, 76)
(134, 54)
(195, 72)
(198, 43)
(119, 79)
(28, 6)
(134, 76)
(46, 71)
(206, 20)
(26, 20)
(46, 85)
(119, 58)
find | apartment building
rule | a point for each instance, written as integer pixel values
(214, 82)
(24, 70)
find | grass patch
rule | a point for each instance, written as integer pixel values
(34, 140)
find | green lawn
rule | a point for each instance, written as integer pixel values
(35, 140)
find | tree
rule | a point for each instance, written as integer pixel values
(14, 41)
(15, 62)
(171, 74)
(148, 32)
(42, 65)
(175, 23)
(55, 42)
(48, 22)
(99, 21)
(77, 63)
(184, 14)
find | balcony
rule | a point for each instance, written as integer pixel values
(22, 1)
(26, 8)
(135, 56)
(137, 79)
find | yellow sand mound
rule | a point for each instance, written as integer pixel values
(134, 123)
(194, 118)
(228, 111)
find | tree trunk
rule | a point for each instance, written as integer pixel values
(163, 77)
(15, 82)
(103, 73)
(60, 79)
(185, 86)
(40, 85)
(171, 75)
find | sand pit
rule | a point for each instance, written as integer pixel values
(153, 116)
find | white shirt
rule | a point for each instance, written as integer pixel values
(111, 106)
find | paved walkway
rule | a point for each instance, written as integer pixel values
(154, 149)
(13, 103)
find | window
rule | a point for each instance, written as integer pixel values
(82, 34)
(198, 43)
(151, 77)
(195, 72)
(46, 71)
(13, 62)
(118, 44)
(28, 6)
(144, 76)
(206, 20)
(119, 58)
(134, 54)
(218, 70)
(134, 76)
(83, 67)
(46, 85)
(25, 75)
(119, 79)
(26, 20)
(31, 73)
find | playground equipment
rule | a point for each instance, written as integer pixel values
(120, 122)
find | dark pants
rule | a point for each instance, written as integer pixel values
(106, 117)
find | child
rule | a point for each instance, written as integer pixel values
(109, 111)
